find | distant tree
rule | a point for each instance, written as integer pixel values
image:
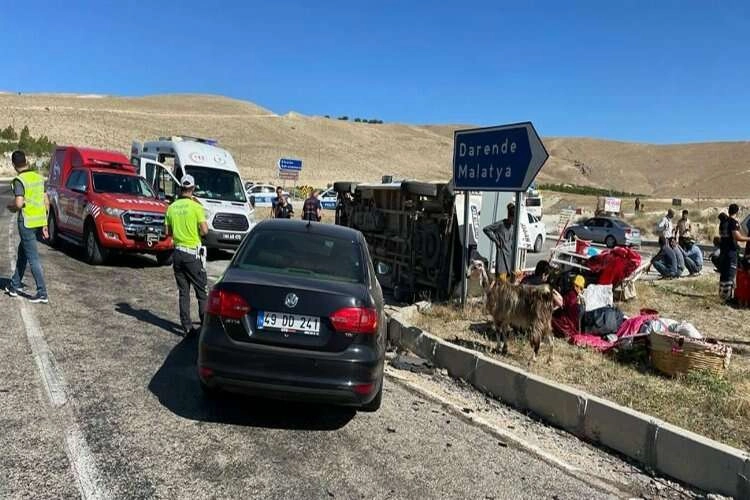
(345, 118)
(25, 141)
(9, 134)
(328, 116)
(357, 120)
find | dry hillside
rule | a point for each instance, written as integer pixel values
(337, 150)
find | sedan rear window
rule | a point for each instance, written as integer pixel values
(302, 254)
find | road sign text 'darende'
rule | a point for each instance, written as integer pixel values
(504, 158)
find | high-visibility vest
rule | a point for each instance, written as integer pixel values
(34, 211)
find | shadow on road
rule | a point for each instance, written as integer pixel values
(124, 259)
(176, 385)
(148, 317)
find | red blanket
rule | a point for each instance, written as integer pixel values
(614, 265)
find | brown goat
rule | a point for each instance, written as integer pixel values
(527, 308)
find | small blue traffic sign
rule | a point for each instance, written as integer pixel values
(504, 158)
(290, 164)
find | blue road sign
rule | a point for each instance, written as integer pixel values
(504, 158)
(289, 164)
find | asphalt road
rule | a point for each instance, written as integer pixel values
(100, 399)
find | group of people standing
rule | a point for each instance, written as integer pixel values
(281, 207)
(730, 238)
(678, 250)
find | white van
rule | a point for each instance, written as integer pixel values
(219, 187)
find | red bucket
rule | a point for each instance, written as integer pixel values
(582, 246)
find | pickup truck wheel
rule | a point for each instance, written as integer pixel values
(164, 258)
(54, 237)
(538, 244)
(94, 252)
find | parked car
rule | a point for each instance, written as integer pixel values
(298, 314)
(99, 202)
(263, 195)
(328, 199)
(608, 230)
(537, 233)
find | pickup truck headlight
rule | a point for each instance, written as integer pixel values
(113, 212)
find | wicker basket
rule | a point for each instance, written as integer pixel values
(672, 354)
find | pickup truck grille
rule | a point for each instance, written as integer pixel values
(137, 224)
(230, 222)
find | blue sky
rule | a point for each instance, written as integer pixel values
(648, 71)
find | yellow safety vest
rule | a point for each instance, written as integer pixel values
(34, 211)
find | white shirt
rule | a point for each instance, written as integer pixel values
(665, 227)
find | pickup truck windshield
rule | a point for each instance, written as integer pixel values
(121, 184)
(215, 184)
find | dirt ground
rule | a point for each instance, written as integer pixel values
(717, 407)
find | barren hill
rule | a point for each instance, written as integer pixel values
(337, 150)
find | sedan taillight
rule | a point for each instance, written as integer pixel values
(227, 304)
(355, 320)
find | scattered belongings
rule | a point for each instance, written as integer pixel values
(672, 354)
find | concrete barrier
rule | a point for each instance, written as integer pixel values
(460, 362)
(504, 382)
(394, 331)
(621, 429)
(425, 346)
(700, 461)
(678, 453)
(563, 406)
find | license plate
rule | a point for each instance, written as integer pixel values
(288, 323)
(231, 237)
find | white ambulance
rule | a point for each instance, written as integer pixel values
(219, 187)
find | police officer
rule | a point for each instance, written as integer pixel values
(186, 222)
(32, 204)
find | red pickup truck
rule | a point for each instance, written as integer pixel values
(99, 202)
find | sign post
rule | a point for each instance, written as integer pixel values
(289, 170)
(502, 158)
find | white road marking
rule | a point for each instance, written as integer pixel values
(82, 462)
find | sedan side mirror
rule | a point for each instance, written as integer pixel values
(252, 201)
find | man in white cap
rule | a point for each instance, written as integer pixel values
(186, 222)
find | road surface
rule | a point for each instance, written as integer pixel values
(100, 399)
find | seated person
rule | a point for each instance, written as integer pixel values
(665, 261)
(540, 276)
(566, 321)
(679, 256)
(693, 256)
(714, 256)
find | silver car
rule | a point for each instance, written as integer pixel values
(608, 230)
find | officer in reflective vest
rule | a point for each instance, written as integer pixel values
(186, 222)
(32, 205)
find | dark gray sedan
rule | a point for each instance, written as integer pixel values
(608, 230)
(298, 314)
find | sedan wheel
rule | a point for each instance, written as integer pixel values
(610, 241)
